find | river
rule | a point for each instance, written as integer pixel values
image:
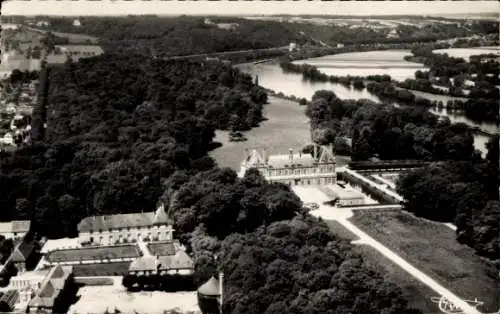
(359, 63)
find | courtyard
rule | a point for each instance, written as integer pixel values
(99, 299)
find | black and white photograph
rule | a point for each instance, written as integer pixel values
(249, 157)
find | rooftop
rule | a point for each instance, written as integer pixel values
(51, 286)
(96, 223)
(345, 194)
(210, 288)
(15, 226)
(171, 262)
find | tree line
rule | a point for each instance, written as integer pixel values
(465, 193)
(387, 132)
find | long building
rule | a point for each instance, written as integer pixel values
(294, 168)
(126, 228)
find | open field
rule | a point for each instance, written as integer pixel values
(161, 249)
(417, 294)
(123, 251)
(102, 269)
(96, 299)
(433, 249)
(337, 229)
(287, 127)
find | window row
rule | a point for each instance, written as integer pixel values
(300, 171)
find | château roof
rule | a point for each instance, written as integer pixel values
(210, 288)
(297, 160)
(118, 221)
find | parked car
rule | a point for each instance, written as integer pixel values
(311, 206)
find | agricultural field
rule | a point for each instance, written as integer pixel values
(433, 249)
(162, 249)
(123, 251)
(101, 269)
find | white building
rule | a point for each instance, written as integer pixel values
(125, 228)
(346, 197)
(77, 23)
(339, 45)
(292, 47)
(294, 168)
(15, 229)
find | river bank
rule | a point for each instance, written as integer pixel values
(286, 126)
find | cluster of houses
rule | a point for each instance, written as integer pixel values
(16, 107)
(25, 290)
(34, 285)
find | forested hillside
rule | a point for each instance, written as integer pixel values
(163, 35)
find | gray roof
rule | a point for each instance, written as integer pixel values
(171, 262)
(15, 226)
(51, 286)
(210, 288)
(297, 160)
(96, 223)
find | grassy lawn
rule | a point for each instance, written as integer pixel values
(104, 269)
(433, 249)
(417, 294)
(161, 249)
(337, 229)
(94, 253)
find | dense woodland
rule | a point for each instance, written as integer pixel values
(387, 132)
(465, 193)
(104, 152)
(116, 152)
(458, 187)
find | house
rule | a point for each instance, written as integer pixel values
(345, 197)
(8, 301)
(295, 168)
(23, 256)
(178, 264)
(15, 229)
(28, 280)
(126, 228)
(77, 23)
(292, 47)
(51, 292)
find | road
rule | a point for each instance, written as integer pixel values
(216, 54)
(311, 194)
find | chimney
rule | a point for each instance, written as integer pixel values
(290, 154)
(221, 290)
(315, 150)
(264, 155)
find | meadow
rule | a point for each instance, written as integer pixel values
(433, 249)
